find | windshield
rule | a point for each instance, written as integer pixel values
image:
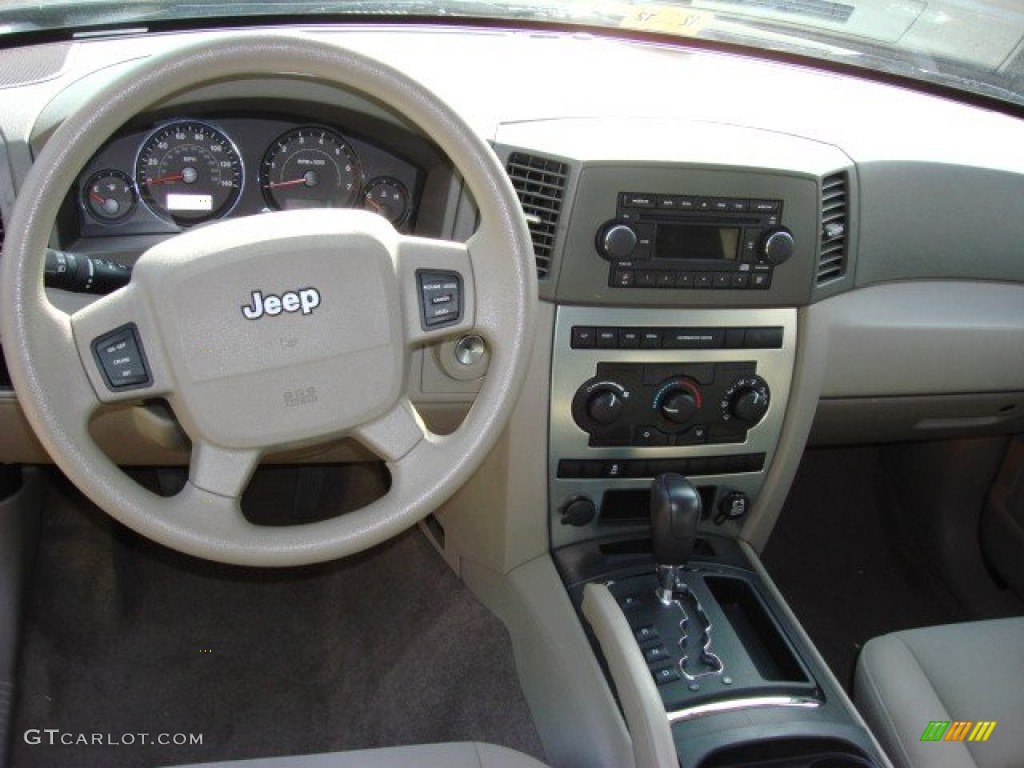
(972, 45)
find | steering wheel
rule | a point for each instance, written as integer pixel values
(270, 331)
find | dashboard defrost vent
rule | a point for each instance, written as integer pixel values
(832, 261)
(540, 183)
(814, 9)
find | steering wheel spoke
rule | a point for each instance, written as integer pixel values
(438, 288)
(118, 349)
(221, 471)
(394, 434)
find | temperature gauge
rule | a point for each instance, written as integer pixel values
(389, 198)
(109, 195)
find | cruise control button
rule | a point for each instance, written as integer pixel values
(121, 358)
(440, 298)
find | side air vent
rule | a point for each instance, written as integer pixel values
(540, 184)
(834, 237)
(1, 231)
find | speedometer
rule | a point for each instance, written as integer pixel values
(189, 172)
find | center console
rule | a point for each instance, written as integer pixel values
(676, 290)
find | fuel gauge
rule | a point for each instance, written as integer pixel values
(389, 198)
(109, 195)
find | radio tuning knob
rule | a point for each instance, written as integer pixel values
(617, 241)
(777, 245)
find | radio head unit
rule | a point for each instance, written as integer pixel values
(686, 241)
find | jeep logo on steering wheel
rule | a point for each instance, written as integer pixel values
(303, 300)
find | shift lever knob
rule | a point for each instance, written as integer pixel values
(675, 512)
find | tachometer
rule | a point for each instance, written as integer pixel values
(189, 171)
(310, 167)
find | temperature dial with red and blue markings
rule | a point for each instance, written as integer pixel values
(678, 400)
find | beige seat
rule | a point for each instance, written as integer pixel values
(457, 755)
(969, 672)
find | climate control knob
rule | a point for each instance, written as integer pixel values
(747, 400)
(617, 241)
(604, 406)
(777, 245)
(678, 400)
(679, 406)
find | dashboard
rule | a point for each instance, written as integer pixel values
(164, 176)
(735, 258)
(694, 219)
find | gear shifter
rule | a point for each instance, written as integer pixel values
(675, 512)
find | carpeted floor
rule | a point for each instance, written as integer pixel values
(123, 637)
(846, 565)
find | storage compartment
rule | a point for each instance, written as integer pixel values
(755, 629)
(789, 753)
(634, 505)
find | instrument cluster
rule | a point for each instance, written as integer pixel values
(183, 172)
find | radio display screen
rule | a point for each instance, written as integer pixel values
(695, 241)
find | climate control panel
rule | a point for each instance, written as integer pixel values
(637, 392)
(670, 404)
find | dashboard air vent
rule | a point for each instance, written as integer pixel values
(540, 183)
(834, 238)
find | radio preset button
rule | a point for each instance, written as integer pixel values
(740, 279)
(722, 279)
(623, 278)
(702, 280)
(684, 279)
(665, 279)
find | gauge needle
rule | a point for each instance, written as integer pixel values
(292, 183)
(371, 201)
(164, 179)
(97, 198)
